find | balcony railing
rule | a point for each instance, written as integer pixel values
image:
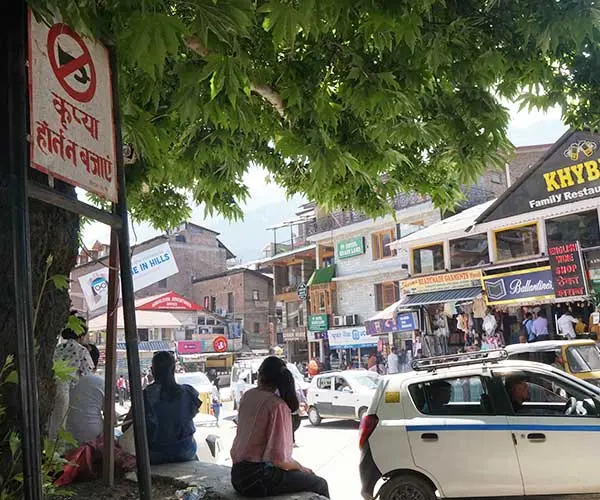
(343, 218)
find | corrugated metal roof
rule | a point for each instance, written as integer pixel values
(421, 299)
(148, 346)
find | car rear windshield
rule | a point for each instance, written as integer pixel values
(585, 358)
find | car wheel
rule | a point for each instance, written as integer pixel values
(407, 488)
(362, 412)
(313, 416)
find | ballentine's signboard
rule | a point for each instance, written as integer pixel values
(70, 101)
(568, 173)
(519, 286)
(568, 274)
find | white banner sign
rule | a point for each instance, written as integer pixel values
(70, 99)
(350, 338)
(147, 268)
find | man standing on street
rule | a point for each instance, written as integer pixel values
(565, 325)
(540, 327)
(393, 363)
(121, 390)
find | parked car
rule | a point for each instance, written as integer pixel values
(580, 358)
(480, 425)
(340, 394)
(244, 376)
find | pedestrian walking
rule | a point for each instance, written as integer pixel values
(262, 450)
(528, 327)
(393, 361)
(215, 402)
(121, 390)
(565, 325)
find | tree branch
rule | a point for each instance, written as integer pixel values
(265, 91)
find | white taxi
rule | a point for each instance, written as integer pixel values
(479, 425)
(340, 394)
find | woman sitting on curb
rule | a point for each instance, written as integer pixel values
(262, 449)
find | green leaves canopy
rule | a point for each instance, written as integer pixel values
(346, 101)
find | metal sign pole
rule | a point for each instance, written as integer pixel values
(15, 34)
(131, 340)
(111, 361)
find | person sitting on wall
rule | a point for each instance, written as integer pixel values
(170, 410)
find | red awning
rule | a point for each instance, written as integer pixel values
(170, 301)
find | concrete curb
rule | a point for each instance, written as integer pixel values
(215, 478)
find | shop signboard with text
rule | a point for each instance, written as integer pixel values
(351, 248)
(568, 273)
(406, 322)
(147, 267)
(519, 286)
(592, 261)
(318, 322)
(568, 173)
(350, 338)
(440, 282)
(170, 302)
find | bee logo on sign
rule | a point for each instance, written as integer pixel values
(70, 101)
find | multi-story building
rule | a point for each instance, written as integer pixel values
(367, 275)
(244, 296)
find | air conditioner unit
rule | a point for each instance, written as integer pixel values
(338, 321)
(351, 320)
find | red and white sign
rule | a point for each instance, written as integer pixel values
(220, 344)
(70, 101)
(170, 302)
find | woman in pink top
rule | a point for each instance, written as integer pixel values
(262, 449)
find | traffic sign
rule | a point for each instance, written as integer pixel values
(75, 73)
(71, 112)
(220, 344)
(302, 291)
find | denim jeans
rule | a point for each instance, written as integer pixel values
(259, 480)
(184, 451)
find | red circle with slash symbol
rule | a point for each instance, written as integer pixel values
(68, 67)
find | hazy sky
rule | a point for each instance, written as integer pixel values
(268, 204)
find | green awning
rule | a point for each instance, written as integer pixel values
(322, 275)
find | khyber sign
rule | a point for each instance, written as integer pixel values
(70, 98)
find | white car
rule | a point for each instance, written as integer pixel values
(341, 394)
(479, 425)
(200, 382)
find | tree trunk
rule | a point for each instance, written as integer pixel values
(53, 232)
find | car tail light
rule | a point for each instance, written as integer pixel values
(367, 426)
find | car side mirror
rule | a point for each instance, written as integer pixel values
(347, 389)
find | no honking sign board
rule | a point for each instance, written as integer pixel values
(70, 99)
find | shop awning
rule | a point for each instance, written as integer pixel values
(322, 275)
(148, 346)
(144, 319)
(422, 299)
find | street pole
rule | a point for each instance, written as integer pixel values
(110, 380)
(14, 43)
(131, 339)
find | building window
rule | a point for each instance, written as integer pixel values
(294, 314)
(213, 305)
(381, 242)
(255, 295)
(582, 227)
(230, 302)
(210, 321)
(517, 242)
(142, 334)
(386, 294)
(180, 238)
(256, 328)
(428, 259)
(496, 177)
(403, 230)
(322, 300)
(162, 283)
(470, 251)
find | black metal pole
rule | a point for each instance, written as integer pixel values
(131, 339)
(18, 158)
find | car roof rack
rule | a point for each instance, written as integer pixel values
(462, 359)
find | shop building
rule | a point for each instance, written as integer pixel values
(536, 247)
(244, 296)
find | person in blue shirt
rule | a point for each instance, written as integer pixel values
(170, 410)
